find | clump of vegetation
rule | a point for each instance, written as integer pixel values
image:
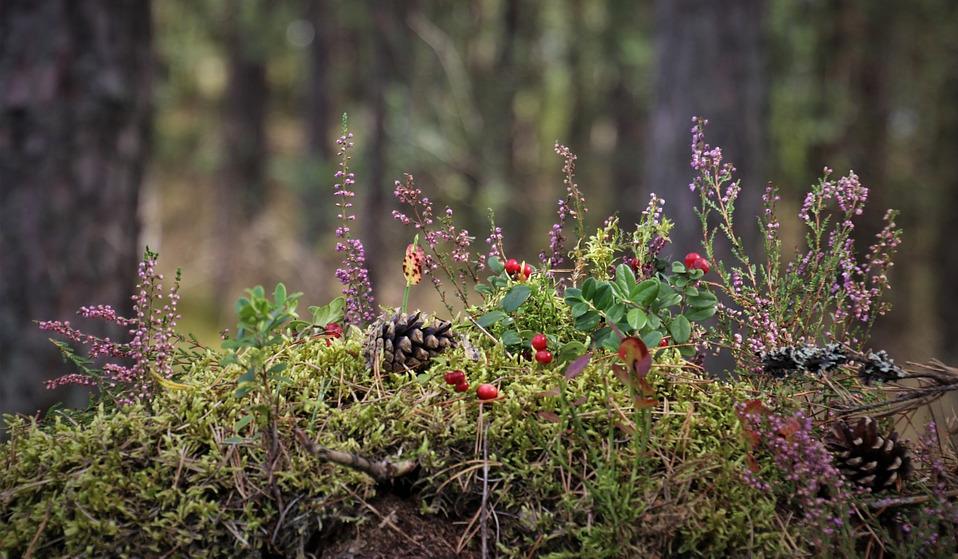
(564, 414)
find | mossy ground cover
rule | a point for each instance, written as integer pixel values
(567, 478)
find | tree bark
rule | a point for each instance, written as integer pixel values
(320, 123)
(241, 185)
(75, 108)
(710, 64)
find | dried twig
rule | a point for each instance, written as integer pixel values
(943, 379)
(908, 501)
(483, 519)
(381, 470)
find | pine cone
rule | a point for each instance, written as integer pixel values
(404, 342)
(865, 457)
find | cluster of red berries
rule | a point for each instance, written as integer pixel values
(517, 271)
(333, 330)
(540, 343)
(458, 380)
(694, 261)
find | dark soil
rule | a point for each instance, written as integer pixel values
(399, 531)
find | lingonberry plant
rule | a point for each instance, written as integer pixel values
(139, 365)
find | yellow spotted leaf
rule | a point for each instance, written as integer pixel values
(412, 264)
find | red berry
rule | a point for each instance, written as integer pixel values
(544, 356)
(700, 264)
(454, 377)
(540, 342)
(334, 329)
(634, 263)
(526, 271)
(512, 266)
(690, 259)
(486, 392)
(664, 342)
(462, 386)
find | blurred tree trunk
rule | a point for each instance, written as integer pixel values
(75, 107)
(374, 214)
(710, 63)
(944, 142)
(320, 119)
(629, 112)
(241, 186)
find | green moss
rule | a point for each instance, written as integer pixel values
(568, 476)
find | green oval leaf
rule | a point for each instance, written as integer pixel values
(587, 321)
(603, 296)
(495, 265)
(588, 288)
(515, 298)
(644, 293)
(511, 338)
(579, 309)
(490, 318)
(696, 315)
(636, 319)
(680, 329)
(615, 313)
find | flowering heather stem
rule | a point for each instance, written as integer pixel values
(352, 273)
(573, 205)
(151, 348)
(825, 295)
(449, 246)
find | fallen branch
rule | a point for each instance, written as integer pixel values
(908, 501)
(382, 470)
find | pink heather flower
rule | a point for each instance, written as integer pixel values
(568, 207)
(450, 246)
(352, 273)
(152, 345)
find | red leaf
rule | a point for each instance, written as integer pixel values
(790, 428)
(576, 367)
(646, 388)
(642, 403)
(550, 416)
(754, 407)
(752, 463)
(621, 374)
(580, 401)
(636, 355)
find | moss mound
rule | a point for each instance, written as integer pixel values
(574, 469)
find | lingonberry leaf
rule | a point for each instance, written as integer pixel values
(515, 298)
(680, 329)
(644, 293)
(636, 356)
(576, 367)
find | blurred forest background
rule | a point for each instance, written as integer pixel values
(206, 128)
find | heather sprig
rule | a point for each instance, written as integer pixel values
(571, 206)
(802, 470)
(449, 245)
(650, 236)
(352, 273)
(824, 295)
(146, 360)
